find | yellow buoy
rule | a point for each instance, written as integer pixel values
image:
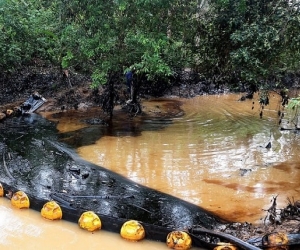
(51, 211)
(90, 221)
(275, 239)
(1, 190)
(20, 200)
(225, 246)
(179, 240)
(9, 112)
(286, 247)
(132, 230)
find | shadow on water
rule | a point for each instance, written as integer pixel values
(118, 128)
(122, 124)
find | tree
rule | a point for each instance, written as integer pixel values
(27, 32)
(249, 41)
(264, 42)
(116, 35)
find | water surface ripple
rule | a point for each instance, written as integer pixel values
(214, 156)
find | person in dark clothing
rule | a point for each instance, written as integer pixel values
(129, 79)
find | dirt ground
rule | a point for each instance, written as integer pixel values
(70, 90)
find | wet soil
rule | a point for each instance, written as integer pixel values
(65, 90)
(72, 91)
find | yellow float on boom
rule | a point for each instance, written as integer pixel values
(51, 211)
(20, 200)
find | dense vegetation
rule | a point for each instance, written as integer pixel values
(249, 42)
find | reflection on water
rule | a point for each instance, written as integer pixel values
(214, 156)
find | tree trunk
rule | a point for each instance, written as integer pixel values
(111, 99)
(134, 105)
(108, 98)
(133, 91)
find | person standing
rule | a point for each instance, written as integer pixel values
(129, 81)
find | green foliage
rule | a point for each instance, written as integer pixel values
(294, 103)
(224, 40)
(99, 78)
(260, 44)
(26, 31)
(13, 30)
(293, 109)
(249, 41)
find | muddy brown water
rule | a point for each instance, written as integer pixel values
(214, 156)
